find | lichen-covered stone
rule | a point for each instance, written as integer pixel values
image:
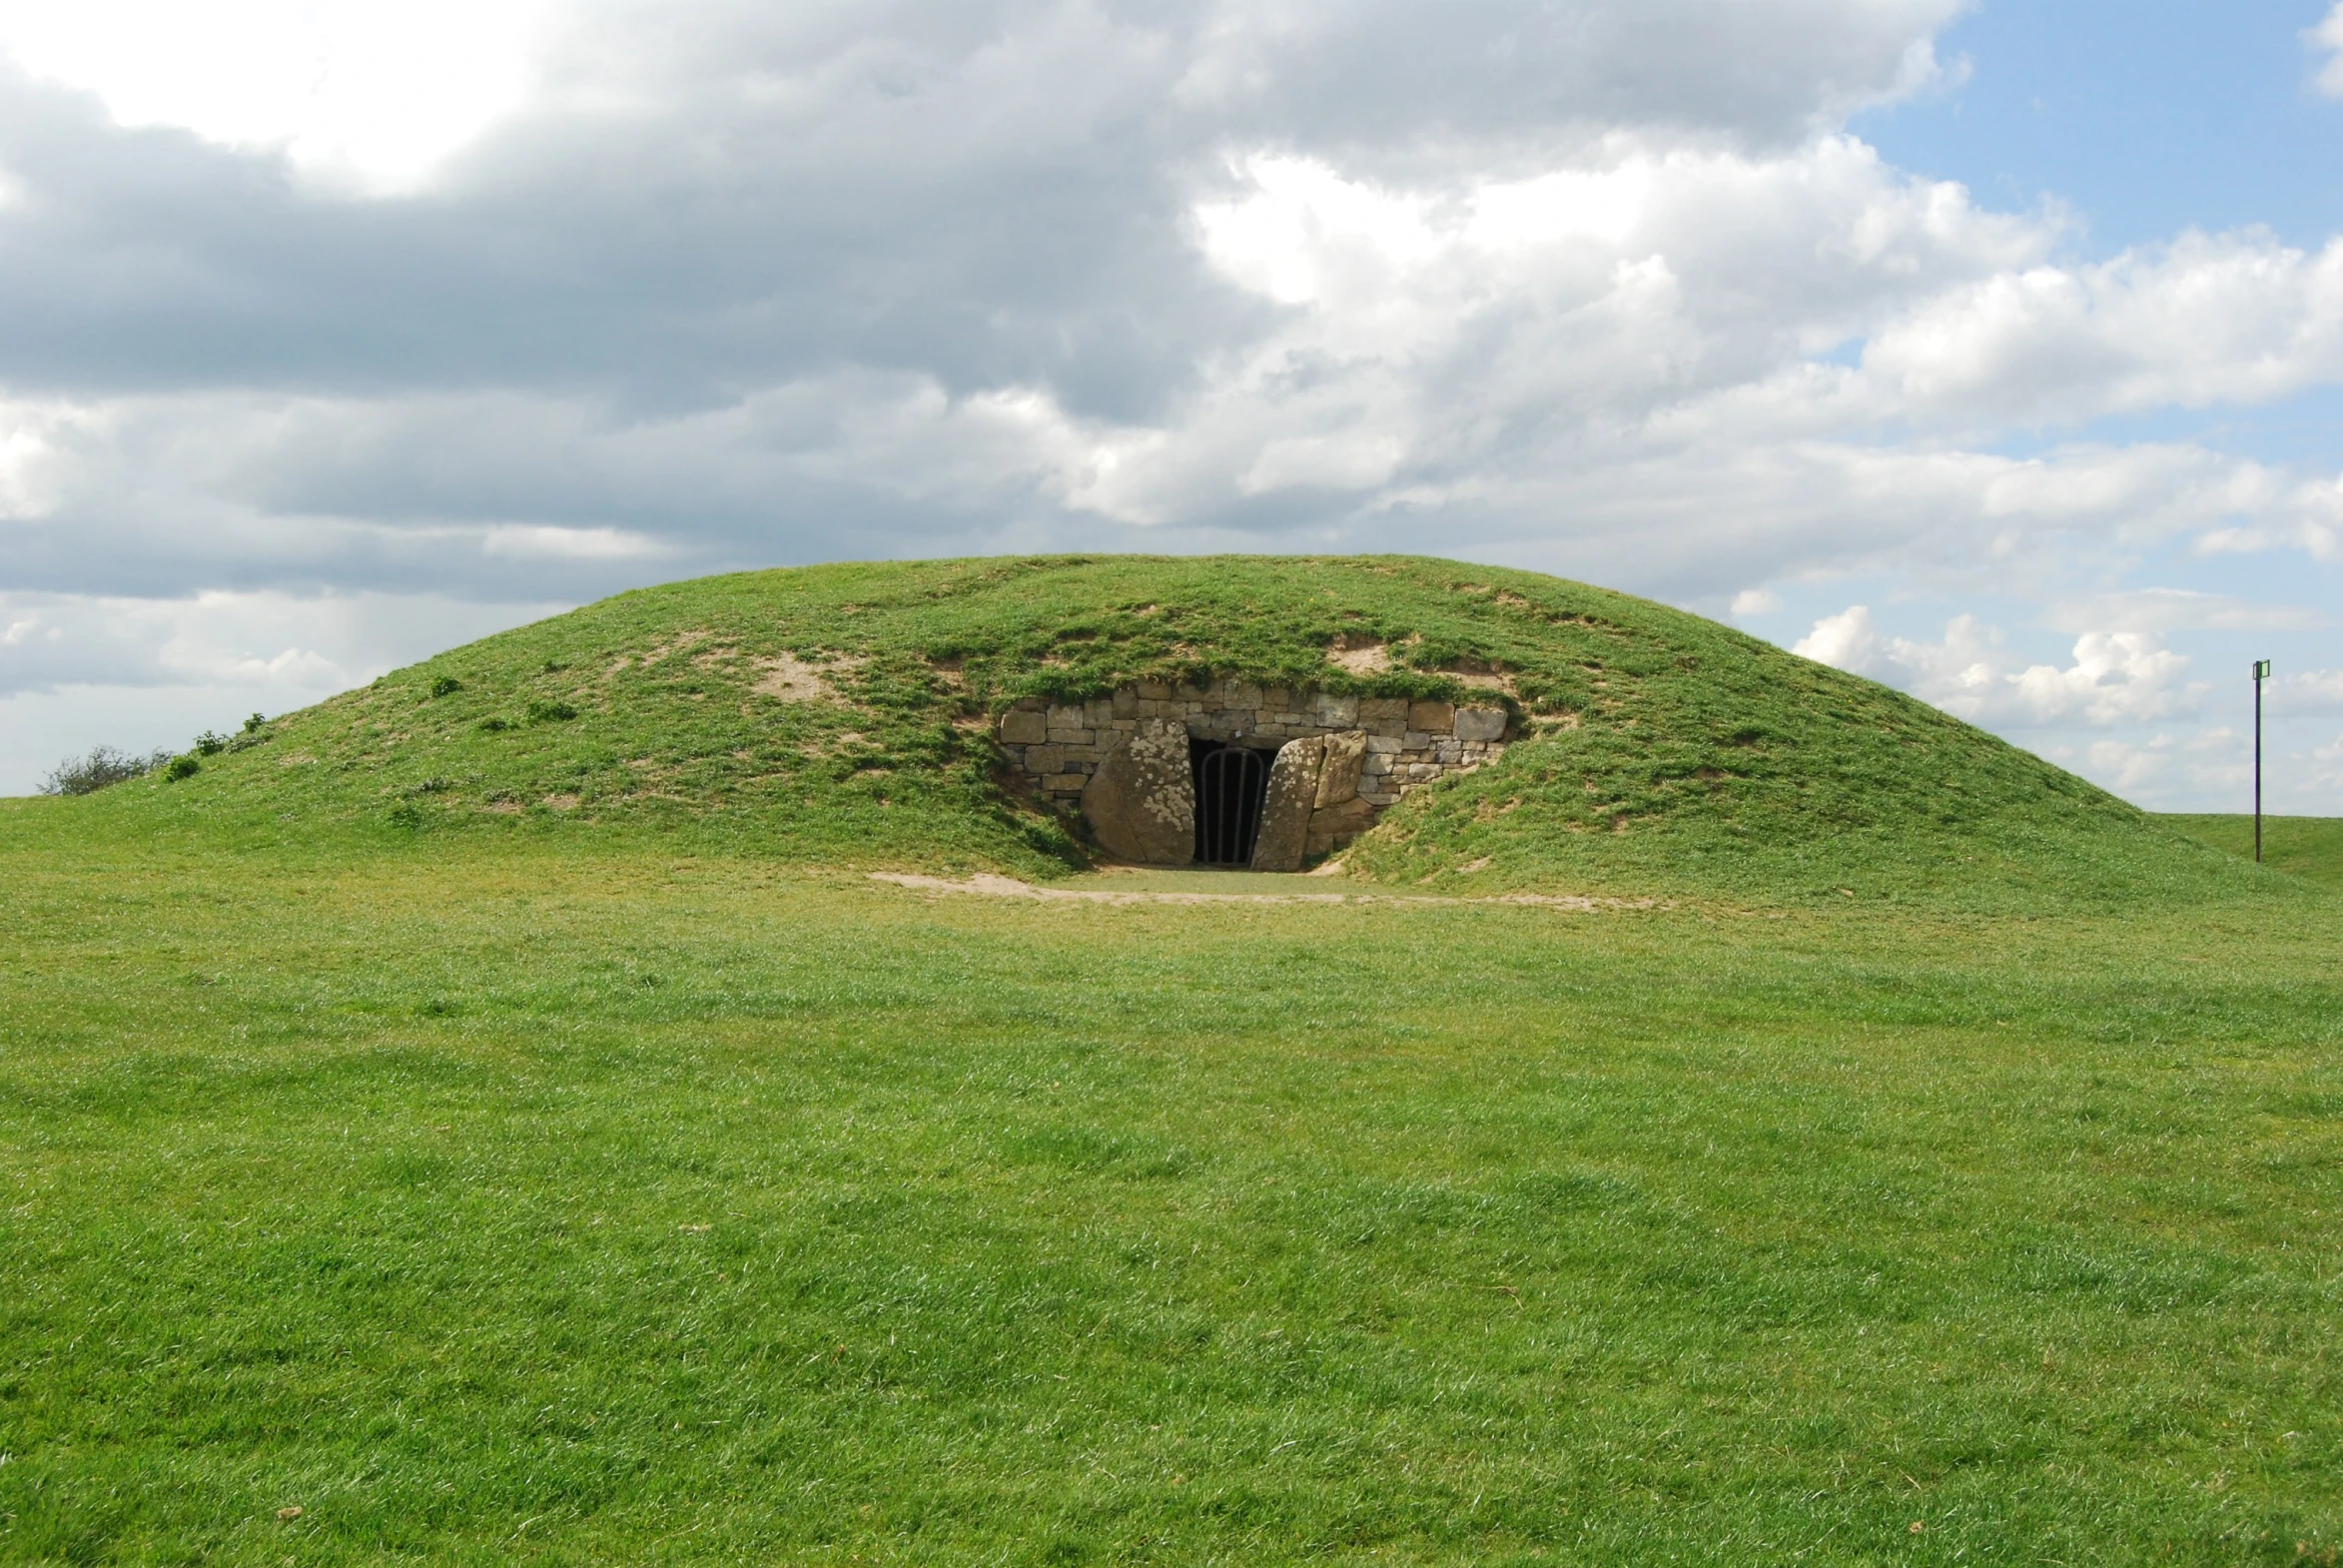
(1140, 804)
(1338, 774)
(1020, 728)
(1294, 792)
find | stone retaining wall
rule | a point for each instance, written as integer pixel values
(1059, 747)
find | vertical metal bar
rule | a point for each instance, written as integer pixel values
(1256, 789)
(1218, 775)
(2259, 666)
(1215, 806)
(1240, 796)
(1220, 812)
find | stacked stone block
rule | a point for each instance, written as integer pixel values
(1059, 746)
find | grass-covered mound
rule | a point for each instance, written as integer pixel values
(840, 714)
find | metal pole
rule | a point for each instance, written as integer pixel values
(2261, 671)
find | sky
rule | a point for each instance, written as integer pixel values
(1991, 351)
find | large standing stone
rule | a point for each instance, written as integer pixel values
(1140, 804)
(1338, 776)
(1294, 790)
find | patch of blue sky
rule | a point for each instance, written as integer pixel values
(2145, 118)
(2302, 432)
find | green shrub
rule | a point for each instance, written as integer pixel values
(496, 726)
(543, 712)
(211, 745)
(446, 686)
(103, 766)
(181, 767)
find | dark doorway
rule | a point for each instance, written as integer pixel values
(1232, 782)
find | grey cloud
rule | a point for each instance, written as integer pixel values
(1396, 83)
(748, 284)
(986, 194)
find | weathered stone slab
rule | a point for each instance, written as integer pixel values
(1140, 804)
(1338, 774)
(1294, 790)
(1433, 718)
(1334, 826)
(1023, 727)
(1480, 723)
(1341, 712)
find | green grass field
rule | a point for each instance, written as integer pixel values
(2308, 847)
(495, 1116)
(543, 1195)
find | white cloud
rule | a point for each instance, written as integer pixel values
(1848, 640)
(2116, 677)
(2327, 37)
(539, 542)
(2165, 610)
(2208, 319)
(282, 649)
(2306, 693)
(2209, 766)
(352, 90)
(1756, 601)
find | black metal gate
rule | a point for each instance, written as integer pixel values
(1231, 785)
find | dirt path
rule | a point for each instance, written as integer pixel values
(986, 885)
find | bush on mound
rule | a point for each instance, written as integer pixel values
(844, 714)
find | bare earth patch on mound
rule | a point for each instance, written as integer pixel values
(986, 885)
(792, 679)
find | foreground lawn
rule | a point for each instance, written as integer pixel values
(2307, 847)
(489, 1202)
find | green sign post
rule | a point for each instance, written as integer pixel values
(2261, 672)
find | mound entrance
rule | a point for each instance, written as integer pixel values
(1233, 774)
(1232, 787)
